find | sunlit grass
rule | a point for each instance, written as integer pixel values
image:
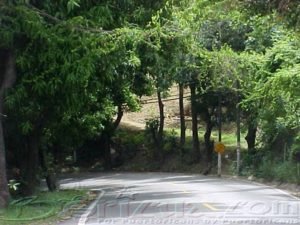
(229, 138)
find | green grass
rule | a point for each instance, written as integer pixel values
(44, 208)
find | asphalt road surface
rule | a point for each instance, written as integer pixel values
(168, 198)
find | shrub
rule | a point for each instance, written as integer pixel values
(287, 172)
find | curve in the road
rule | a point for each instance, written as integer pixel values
(165, 198)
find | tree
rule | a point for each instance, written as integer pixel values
(182, 78)
(279, 96)
(194, 72)
(77, 69)
(122, 89)
(288, 11)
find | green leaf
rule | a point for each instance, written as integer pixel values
(72, 4)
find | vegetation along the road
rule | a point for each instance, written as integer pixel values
(71, 69)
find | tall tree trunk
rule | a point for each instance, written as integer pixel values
(238, 128)
(251, 137)
(219, 117)
(31, 163)
(118, 119)
(161, 117)
(7, 78)
(196, 146)
(182, 119)
(50, 175)
(207, 137)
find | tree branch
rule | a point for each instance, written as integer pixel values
(57, 20)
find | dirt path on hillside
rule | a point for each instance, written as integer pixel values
(149, 110)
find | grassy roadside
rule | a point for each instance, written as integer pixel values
(45, 207)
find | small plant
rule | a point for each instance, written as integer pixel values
(13, 185)
(152, 125)
(266, 170)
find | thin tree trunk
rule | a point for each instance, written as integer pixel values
(32, 164)
(238, 129)
(196, 146)
(209, 145)
(50, 176)
(118, 119)
(7, 78)
(251, 137)
(182, 118)
(207, 137)
(219, 117)
(161, 117)
(106, 138)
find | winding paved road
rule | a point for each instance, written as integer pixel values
(165, 198)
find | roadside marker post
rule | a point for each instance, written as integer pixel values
(219, 164)
(220, 149)
(238, 130)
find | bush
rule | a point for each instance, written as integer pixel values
(287, 172)
(266, 169)
(129, 142)
(170, 142)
